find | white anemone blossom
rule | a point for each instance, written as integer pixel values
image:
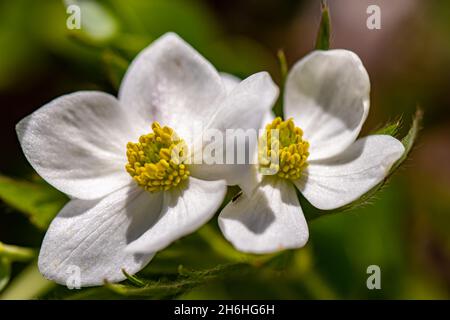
(326, 102)
(129, 198)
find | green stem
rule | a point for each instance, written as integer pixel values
(317, 286)
(219, 245)
(278, 109)
(283, 66)
(16, 253)
(310, 277)
(223, 248)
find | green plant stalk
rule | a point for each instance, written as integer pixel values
(310, 277)
(16, 253)
(283, 67)
(278, 108)
(317, 286)
(224, 249)
(219, 245)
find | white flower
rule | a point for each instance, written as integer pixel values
(327, 97)
(79, 143)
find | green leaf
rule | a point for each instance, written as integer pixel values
(20, 53)
(39, 201)
(408, 142)
(410, 139)
(324, 33)
(5, 272)
(392, 128)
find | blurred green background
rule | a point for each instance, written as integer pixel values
(405, 230)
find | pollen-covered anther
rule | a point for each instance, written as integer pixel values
(282, 149)
(156, 162)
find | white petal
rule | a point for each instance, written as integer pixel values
(77, 143)
(327, 94)
(184, 210)
(91, 235)
(335, 182)
(248, 105)
(229, 81)
(250, 179)
(171, 83)
(268, 221)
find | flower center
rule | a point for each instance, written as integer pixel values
(282, 150)
(156, 161)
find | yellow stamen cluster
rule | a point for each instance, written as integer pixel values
(283, 152)
(156, 161)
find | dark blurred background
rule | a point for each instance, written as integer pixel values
(406, 229)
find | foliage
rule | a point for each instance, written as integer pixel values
(37, 200)
(324, 33)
